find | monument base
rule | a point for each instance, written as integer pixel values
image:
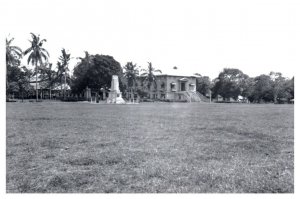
(115, 98)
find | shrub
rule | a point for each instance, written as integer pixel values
(72, 99)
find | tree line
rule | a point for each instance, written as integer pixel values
(95, 71)
(19, 78)
(232, 83)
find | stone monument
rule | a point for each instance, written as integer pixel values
(114, 95)
(87, 94)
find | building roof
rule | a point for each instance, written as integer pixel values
(33, 79)
(176, 72)
(58, 86)
(44, 84)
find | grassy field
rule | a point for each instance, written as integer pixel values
(150, 147)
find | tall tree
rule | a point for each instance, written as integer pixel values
(248, 88)
(87, 60)
(149, 75)
(289, 88)
(131, 74)
(230, 83)
(204, 84)
(95, 72)
(278, 82)
(262, 89)
(13, 54)
(37, 55)
(63, 67)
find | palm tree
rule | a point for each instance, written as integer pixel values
(49, 75)
(13, 53)
(63, 67)
(38, 55)
(149, 75)
(60, 74)
(131, 74)
(87, 60)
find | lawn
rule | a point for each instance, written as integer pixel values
(150, 147)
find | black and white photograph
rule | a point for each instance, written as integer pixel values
(149, 97)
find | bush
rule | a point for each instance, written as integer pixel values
(72, 99)
(11, 100)
(33, 100)
(142, 94)
(147, 100)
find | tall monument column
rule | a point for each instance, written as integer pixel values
(87, 94)
(114, 95)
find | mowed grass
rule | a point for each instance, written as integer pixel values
(150, 147)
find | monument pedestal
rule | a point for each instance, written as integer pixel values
(115, 96)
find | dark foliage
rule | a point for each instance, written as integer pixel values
(230, 83)
(204, 84)
(95, 72)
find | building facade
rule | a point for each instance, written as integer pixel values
(170, 88)
(173, 87)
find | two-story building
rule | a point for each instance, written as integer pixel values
(173, 86)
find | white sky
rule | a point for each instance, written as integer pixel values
(196, 36)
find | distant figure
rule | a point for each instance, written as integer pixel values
(97, 98)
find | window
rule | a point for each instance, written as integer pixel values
(173, 86)
(192, 87)
(182, 86)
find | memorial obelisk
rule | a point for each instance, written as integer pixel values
(114, 95)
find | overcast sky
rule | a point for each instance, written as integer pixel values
(196, 36)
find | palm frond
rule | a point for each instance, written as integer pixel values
(16, 48)
(27, 51)
(42, 55)
(144, 74)
(8, 42)
(45, 51)
(29, 58)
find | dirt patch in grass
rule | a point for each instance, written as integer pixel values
(106, 144)
(84, 161)
(50, 144)
(57, 182)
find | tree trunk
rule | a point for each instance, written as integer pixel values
(50, 93)
(65, 86)
(275, 99)
(61, 87)
(36, 88)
